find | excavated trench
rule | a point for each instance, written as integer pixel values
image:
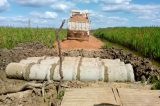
(142, 66)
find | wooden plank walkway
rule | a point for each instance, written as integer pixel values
(110, 97)
(136, 97)
(88, 97)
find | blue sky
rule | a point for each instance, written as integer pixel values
(103, 13)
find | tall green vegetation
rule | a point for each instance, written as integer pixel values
(145, 40)
(10, 37)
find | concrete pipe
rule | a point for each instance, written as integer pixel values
(70, 66)
(32, 60)
(16, 70)
(130, 73)
(36, 58)
(116, 70)
(91, 69)
(50, 60)
(39, 72)
(74, 68)
(110, 61)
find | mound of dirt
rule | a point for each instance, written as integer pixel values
(24, 98)
(23, 51)
(142, 66)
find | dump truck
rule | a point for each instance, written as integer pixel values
(78, 25)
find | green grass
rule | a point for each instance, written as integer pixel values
(145, 40)
(10, 37)
(156, 85)
(60, 95)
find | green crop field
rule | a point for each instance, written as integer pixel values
(145, 40)
(10, 37)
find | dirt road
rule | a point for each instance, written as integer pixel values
(93, 43)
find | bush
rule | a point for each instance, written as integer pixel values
(156, 85)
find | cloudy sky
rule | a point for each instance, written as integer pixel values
(103, 13)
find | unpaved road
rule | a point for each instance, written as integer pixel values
(93, 43)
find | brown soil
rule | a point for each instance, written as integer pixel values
(92, 43)
(24, 98)
(95, 84)
(34, 97)
(142, 68)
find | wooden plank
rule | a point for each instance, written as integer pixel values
(110, 96)
(116, 95)
(136, 97)
(88, 97)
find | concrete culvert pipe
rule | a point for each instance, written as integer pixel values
(130, 73)
(32, 60)
(16, 70)
(69, 67)
(74, 68)
(50, 60)
(91, 69)
(116, 70)
(39, 72)
(36, 58)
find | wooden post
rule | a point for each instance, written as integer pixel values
(59, 53)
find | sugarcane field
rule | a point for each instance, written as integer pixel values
(79, 53)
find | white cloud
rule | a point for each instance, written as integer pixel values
(20, 19)
(2, 18)
(117, 19)
(98, 19)
(23, 21)
(125, 5)
(35, 2)
(147, 11)
(130, 7)
(3, 5)
(156, 20)
(116, 1)
(46, 15)
(103, 1)
(101, 15)
(37, 21)
(13, 21)
(86, 1)
(112, 20)
(63, 6)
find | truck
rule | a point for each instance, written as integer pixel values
(78, 25)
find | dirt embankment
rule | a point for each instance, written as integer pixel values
(142, 66)
(28, 97)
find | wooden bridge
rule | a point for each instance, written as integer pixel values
(110, 97)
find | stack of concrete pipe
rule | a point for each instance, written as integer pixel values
(74, 68)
